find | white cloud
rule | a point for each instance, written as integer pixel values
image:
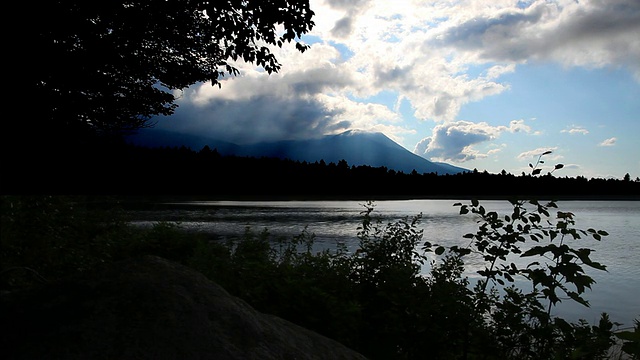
(454, 141)
(575, 130)
(438, 56)
(535, 153)
(609, 142)
(572, 167)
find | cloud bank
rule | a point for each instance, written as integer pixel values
(434, 56)
(453, 141)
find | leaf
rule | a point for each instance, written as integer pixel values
(439, 250)
(536, 171)
(536, 250)
(530, 165)
(474, 202)
(558, 166)
(546, 152)
(574, 296)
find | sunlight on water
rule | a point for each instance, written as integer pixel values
(616, 292)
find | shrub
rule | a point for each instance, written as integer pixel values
(375, 299)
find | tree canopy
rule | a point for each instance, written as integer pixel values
(112, 65)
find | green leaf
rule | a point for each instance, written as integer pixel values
(439, 250)
(474, 202)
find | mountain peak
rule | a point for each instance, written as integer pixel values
(359, 132)
(357, 147)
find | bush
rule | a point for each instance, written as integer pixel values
(377, 301)
(374, 299)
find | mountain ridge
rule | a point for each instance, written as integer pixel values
(356, 147)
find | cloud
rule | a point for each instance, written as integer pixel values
(609, 142)
(575, 130)
(535, 153)
(435, 56)
(304, 100)
(572, 167)
(454, 140)
(345, 25)
(593, 33)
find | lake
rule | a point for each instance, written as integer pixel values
(616, 291)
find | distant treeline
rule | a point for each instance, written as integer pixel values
(133, 170)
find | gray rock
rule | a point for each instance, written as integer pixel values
(149, 308)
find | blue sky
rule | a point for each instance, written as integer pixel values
(478, 84)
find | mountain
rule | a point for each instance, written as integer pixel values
(155, 138)
(353, 146)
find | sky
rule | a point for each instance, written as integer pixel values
(480, 84)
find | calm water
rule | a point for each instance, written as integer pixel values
(616, 292)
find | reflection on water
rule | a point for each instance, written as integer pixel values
(616, 292)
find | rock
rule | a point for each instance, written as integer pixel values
(149, 308)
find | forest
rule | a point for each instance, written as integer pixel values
(126, 169)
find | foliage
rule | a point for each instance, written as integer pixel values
(376, 298)
(113, 64)
(631, 340)
(54, 235)
(382, 305)
(45, 238)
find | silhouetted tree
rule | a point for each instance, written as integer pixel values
(110, 65)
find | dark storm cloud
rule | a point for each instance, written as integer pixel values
(595, 32)
(353, 8)
(260, 118)
(343, 27)
(299, 102)
(472, 32)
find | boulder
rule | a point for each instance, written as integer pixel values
(149, 308)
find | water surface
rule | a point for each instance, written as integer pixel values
(616, 292)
